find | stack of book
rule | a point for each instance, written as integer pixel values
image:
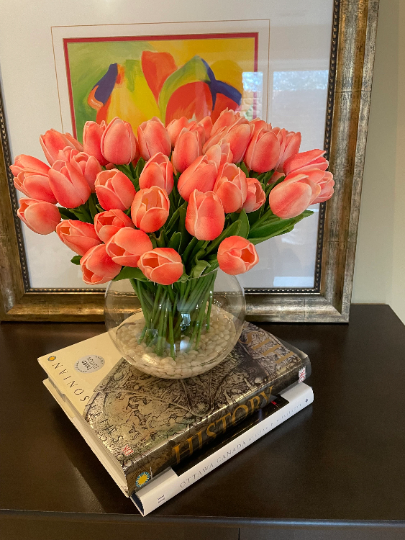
(156, 437)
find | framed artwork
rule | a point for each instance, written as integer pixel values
(307, 68)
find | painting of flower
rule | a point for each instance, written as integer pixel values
(163, 76)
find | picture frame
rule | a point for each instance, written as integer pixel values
(348, 103)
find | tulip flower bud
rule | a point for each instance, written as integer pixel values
(153, 138)
(263, 152)
(118, 143)
(92, 135)
(68, 184)
(293, 195)
(53, 141)
(290, 143)
(326, 184)
(158, 171)
(201, 175)
(220, 154)
(231, 187)
(255, 196)
(311, 159)
(238, 138)
(206, 123)
(150, 209)
(35, 186)
(98, 267)
(176, 126)
(23, 163)
(89, 166)
(114, 190)
(66, 154)
(40, 216)
(106, 224)
(226, 119)
(205, 218)
(77, 235)
(236, 255)
(161, 265)
(188, 148)
(127, 246)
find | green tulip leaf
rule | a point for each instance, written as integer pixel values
(66, 213)
(76, 259)
(175, 241)
(245, 227)
(198, 269)
(128, 272)
(232, 230)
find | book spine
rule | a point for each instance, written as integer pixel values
(168, 484)
(183, 446)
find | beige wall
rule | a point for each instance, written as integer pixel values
(380, 259)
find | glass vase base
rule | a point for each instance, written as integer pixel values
(189, 359)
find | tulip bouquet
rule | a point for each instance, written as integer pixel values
(166, 209)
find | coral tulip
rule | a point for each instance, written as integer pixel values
(188, 148)
(23, 163)
(226, 119)
(40, 216)
(201, 175)
(77, 235)
(153, 137)
(220, 154)
(92, 135)
(106, 224)
(118, 143)
(290, 143)
(35, 186)
(231, 187)
(293, 195)
(326, 184)
(205, 216)
(114, 190)
(263, 152)
(89, 166)
(175, 127)
(238, 138)
(206, 123)
(161, 265)
(98, 267)
(150, 209)
(255, 196)
(158, 171)
(127, 246)
(68, 184)
(313, 159)
(236, 255)
(53, 141)
(66, 154)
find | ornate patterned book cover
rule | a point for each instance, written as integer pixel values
(149, 424)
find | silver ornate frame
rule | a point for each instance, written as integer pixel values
(349, 91)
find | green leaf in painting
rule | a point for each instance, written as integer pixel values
(175, 240)
(76, 259)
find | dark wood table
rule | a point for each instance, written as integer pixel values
(336, 470)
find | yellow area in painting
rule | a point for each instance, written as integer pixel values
(231, 56)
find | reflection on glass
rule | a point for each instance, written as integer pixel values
(252, 97)
(299, 103)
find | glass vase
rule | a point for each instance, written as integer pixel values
(175, 331)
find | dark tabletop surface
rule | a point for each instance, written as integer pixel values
(343, 458)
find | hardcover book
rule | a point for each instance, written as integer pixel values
(141, 425)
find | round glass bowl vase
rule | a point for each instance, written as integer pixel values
(175, 331)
